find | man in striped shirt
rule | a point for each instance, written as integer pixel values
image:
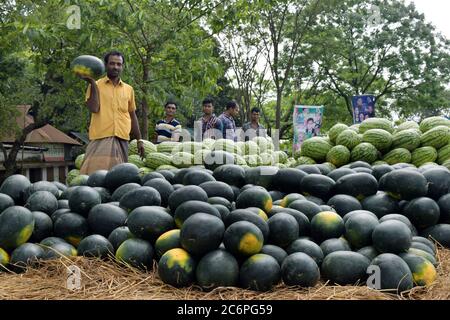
(169, 128)
(227, 118)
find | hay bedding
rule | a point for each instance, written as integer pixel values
(107, 280)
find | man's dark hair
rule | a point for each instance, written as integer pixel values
(170, 102)
(114, 53)
(207, 101)
(231, 105)
(312, 120)
(255, 109)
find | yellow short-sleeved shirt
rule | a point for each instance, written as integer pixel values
(113, 118)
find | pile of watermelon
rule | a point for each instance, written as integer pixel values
(218, 225)
(377, 141)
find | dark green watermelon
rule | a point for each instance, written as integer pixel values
(380, 170)
(71, 227)
(231, 174)
(340, 172)
(16, 227)
(422, 212)
(43, 201)
(247, 215)
(439, 233)
(122, 174)
(278, 253)
(381, 204)
(217, 268)
(345, 267)
(5, 202)
(201, 233)
(369, 252)
(185, 194)
(283, 229)
(299, 269)
(163, 187)
(438, 182)
(95, 246)
(153, 175)
(343, 204)
(177, 268)
(27, 254)
(306, 207)
(120, 191)
(167, 241)
(288, 180)
(83, 199)
(43, 226)
(189, 208)
(306, 246)
(392, 236)
(119, 235)
(197, 177)
(137, 253)
(394, 273)
(260, 272)
(444, 206)
(143, 196)
(15, 186)
(358, 185)
(309, 169)
(404, 184)
(97, 178)
(149, 223)
(169, 175)
(359, 229)
(104, 218)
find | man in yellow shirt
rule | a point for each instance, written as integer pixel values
(113, 116)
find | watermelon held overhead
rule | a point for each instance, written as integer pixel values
(88, 66)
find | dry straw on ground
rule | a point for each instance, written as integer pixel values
(108, 280)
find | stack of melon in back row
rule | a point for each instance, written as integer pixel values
(234, 225)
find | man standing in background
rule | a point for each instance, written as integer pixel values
(258, 129)
(169, 128)
(211, 126)
(227, 119)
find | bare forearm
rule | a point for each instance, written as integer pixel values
(93, 102)
(135, 131)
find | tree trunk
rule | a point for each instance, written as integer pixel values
(144, 104)
(278, 111)
(10, 163)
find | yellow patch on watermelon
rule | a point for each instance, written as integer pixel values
(426, 275)
(4, 257)
(250, 244)
(263, 215)
(328, 217)
(24, 234)
(73, 240)
(178, 222)
(268, 205)
(82, 70)
(180, 258)
(256, 257)
(167, 235)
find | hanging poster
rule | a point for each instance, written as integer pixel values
(307, 124)
(363, 108)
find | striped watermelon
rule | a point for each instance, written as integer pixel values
(253, 160)
(157, 159)
(443, 154)
(315, 148)
(338, 155)
(348, 138)
(182, 159)
(355, 127)
(436, 137)
(407, 139)
(376, 123)
(225, 145)
(264, 144)
(251, 147)
(304, 160)
(336, 130)
(189, 146)
(379, 162)
(399, 155)
(208, 143)
(239, 160)
(166, 167)
(379, 138)
(364, 152)
(136, 160)
(423, 155)
(199, 156)
(408, 125)
(432, 122)
(144, 170)
(166, 146)
(266, 159)
(148, 147)
(446, 164)
(280, 157)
